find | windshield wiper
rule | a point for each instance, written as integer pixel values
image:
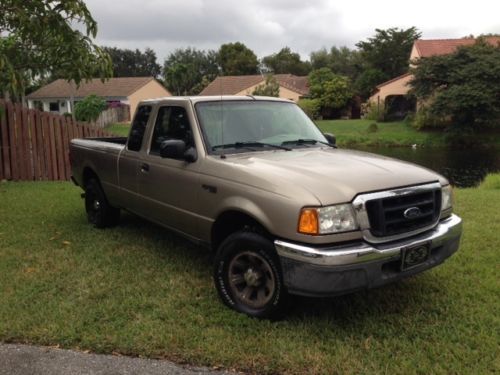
(249, 145)
(306, 142)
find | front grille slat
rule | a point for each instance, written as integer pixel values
(387, 215)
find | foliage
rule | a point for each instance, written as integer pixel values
(312, 108)
(424, 119)
(140, 290)
(342, 61)
(332, 90)
(41, 36)
(89, 108)
(286, 61)
(372, 128)
(463, 86)
(237, 59)
(130, 63)
(271, 87)
(374, 111)
(384, 56)
(188, 71)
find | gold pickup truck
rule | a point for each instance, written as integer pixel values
(284, 210)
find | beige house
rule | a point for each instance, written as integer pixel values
(59, 95)
(397, 87)
(291, 86)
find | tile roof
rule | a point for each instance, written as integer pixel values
(114, 87)
(432, 47)
(230, 85)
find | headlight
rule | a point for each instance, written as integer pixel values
(325, 220)
(446, 198)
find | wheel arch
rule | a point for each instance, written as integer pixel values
(232, 220)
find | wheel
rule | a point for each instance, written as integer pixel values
(99, 212)
(248, 276)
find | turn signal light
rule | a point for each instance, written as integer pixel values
(308, 221)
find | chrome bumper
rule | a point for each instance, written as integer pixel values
(447, 230)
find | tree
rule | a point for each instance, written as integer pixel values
(270, 88)
(463, 86)
(130, 63)
(89, 108)
(384, 56)
(236, 59)
(40, 36)
(286, 61)
(343, 61)
(332, 90)
(188, 71)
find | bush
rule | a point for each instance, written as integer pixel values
(372, 128)
(311, 107)
(373, 111)
(67, 114)
(424, 119)
(89, 108)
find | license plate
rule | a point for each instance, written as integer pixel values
(414, 256)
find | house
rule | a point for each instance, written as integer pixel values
(57, 96)
(393, 92)
(291, 86)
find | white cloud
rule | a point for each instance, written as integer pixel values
(268, 25)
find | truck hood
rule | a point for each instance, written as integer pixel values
(330, 175)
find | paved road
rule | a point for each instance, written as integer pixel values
(33, 360)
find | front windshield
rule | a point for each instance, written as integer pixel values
(233, 123)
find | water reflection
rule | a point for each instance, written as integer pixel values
(464, 168)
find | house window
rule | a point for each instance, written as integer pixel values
(54, 106)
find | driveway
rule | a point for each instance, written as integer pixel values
(30, 360)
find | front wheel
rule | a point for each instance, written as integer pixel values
(248, 276)
(99, 212)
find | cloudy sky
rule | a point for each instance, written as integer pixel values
(267, 25)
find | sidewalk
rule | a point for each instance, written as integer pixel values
(30, 360)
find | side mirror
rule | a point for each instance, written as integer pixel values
(177, 149)
(330, 138)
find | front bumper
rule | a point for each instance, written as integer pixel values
(342, 269)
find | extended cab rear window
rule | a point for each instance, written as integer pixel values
(138, 127)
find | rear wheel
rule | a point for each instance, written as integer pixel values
(99, 212)
(248, 276)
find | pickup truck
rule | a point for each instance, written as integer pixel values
(284, 210)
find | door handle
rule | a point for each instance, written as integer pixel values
(145, 168)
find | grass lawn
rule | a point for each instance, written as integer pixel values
(399, 133)
(120, 129)
(137, 289)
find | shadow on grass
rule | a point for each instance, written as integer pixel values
(408, 297)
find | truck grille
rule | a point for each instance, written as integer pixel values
(389, 216)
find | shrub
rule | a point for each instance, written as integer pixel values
(67, 114)
(89, 108)
(372, 128)
(311, 107)
(270, 88)
(373, 111)
(424, 119)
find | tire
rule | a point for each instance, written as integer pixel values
(99, 212)
(248, 276)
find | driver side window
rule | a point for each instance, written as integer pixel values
(171, 123)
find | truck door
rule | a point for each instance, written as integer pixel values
(170, 187)
(129, 160)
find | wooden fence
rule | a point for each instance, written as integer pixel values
(34, 145)
(113, 115)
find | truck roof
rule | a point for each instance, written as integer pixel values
(196, 99)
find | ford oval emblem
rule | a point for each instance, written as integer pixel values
(412, 212)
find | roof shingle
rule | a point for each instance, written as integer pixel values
(114, 87)
(432, 47)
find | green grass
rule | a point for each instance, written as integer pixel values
(120, 129)
(355, 132)
(137, 289)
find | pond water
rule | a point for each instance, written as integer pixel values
(463, 167)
